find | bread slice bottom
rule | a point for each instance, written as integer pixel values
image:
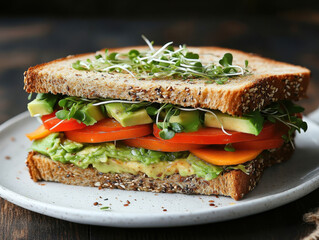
(234, 183)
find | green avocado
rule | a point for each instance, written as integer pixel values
(209, 171)
(64, 150)
(44, 144)
(92, 114)
(43, 104)
(156, 170)
(250, 123)
(204, 169)
(127, 118)
(108, 157)
(189, 120)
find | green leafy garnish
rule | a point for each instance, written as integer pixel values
(286, 112)
(30, 96)
(132, 107)
(75, 107)
(166, 133)
(221, 80)
(227, 60)
(168, 129)
(229, 148)
(165, 62)
(105, 208)
(77, 65)
(238, 167)
(246, 64)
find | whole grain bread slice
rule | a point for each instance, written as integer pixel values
(232, 183)
(268, 82)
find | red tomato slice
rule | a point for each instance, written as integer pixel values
(105, 125)
(245, 151)
(153, 143)
(275, 142)
(108, 130)
(54, 124)
(260, 144)
(210, 135)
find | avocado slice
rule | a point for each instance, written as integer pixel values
(251, 123)
(125, 118)
(92, 114)
(189, 120)
(43, 104)
(94, 111)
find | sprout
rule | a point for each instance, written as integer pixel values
(114, 101)
(162, 63)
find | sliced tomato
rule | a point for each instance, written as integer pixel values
(153, 143)
(260, 144)
(54, 124)
(108, 130)
(210, 135)
(218, 156)
(105, 125)
(275, 141)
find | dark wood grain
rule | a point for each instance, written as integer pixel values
(19, 223)
(28, 41)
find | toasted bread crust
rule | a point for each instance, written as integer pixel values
(233, 183)
(270, 81)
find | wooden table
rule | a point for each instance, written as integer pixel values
(25, 42)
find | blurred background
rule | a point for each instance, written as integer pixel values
(33, 32)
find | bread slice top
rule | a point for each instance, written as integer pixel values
(268, 82)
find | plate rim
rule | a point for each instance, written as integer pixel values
(261, 204)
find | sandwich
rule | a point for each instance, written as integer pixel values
(164, 119)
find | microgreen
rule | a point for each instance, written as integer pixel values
(105, 208)
(75, 107)
(165, 62)
(285, 113)
(246, 64)
(135, 106)
(229, 148)
(227, 60)
(166, 133)
(167, 128)
(176, 127)
(152, 111)
(30, 96)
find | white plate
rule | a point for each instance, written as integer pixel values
(280, 184)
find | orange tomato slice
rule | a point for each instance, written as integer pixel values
(220, 157)
(39, 133)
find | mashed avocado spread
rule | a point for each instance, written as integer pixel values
(108, 157)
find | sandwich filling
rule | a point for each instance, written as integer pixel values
(119, 158)
(159, 140)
